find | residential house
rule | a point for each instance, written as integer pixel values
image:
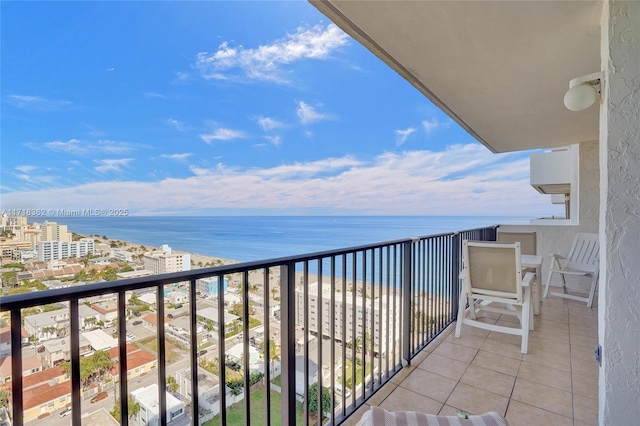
(313, 374)
(30, 365)
(139, 362)
(177, 297)
(179, 327)
(5, 340)
(44, 393)
(209, 316)
(51, 324)
(56, 351)
(149, 413)
(99, 340)
(151, 321)
(108, 311)
(208, 387)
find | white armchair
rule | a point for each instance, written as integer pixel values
(582, 260)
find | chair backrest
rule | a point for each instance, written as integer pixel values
(527, 240)
(584, 253)
(493, 269)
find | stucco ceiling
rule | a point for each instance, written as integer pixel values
(499, 68)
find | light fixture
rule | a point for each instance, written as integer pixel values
(583, 92)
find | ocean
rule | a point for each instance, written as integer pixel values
(249, 238)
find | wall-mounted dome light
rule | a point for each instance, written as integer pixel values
(583, 92)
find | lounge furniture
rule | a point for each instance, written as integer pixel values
(527, 240)
(582, 260)
(492, 276)
(377, 416)
(528, 247)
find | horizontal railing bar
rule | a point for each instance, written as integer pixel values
(27, 300)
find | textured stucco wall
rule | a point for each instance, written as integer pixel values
(558, 238)
(619, 298)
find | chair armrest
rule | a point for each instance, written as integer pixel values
(557, 256)
(528, 277)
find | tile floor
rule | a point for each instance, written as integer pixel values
(555, 383)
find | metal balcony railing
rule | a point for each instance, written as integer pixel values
(349, 320)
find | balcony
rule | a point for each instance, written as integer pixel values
(555, 383)
(346, 338)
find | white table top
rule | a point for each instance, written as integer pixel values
(531, 261)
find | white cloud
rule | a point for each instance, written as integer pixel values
(402, 135)
(307, 114)
(266, 62)
(112, 165)
(110, 69)
(26, 168)
(461, 179)
(77, 147)
(275, 140)
(178, 157)
(268, 123)
(179, 125)
(430, 125)
(38, 102)
(223, 134)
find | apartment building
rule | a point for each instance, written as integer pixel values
(164, 261)
(210, 287)
(17, 225)
(56, 250)
(353, 327)
(51, 231)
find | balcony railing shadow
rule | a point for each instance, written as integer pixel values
(333, 326)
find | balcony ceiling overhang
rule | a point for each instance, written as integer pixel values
(498, 68)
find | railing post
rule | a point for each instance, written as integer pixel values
(16, 366)
(193, 354)
(407, 278)
(455, 271)
(122, 359)
(74, 347)
(288, 342)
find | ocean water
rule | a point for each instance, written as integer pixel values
(249, 238)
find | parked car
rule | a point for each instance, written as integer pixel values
(170, 316)
(202, 352)
(137, 322)
(99, 397)
(65, 412)
(137, 314)
(40, 349)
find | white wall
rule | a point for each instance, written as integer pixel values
(558, 238)
(619, 298)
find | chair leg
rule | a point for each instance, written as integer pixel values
(594, 284)
(546, 286)
(526, 309)
(472, 308)
(461, 307)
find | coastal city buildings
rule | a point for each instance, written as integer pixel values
(352, 327)
(164, 261)
(52, 231)
(56, 250)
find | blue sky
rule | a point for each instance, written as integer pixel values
(228, 108)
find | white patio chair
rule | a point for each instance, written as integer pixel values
(492, 275)
(527, 240)
(581, 261)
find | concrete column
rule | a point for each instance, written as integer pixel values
(619, 295)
